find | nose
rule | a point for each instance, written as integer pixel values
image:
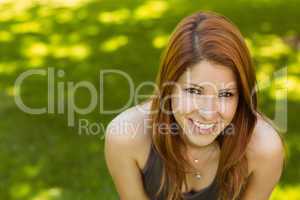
(208, 108)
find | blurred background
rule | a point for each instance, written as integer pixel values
(42, 158)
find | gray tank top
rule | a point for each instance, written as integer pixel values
(151, 179)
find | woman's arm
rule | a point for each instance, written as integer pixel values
(120, 159)
(266, 159)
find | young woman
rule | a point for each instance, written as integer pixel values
(201, 135)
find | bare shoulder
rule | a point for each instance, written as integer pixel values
(265, 146)
(126, 143)
(128, 132)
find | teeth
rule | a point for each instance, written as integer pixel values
(203, 126)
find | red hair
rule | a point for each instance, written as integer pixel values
(206, 36)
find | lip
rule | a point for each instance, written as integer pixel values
(199, 130)
(202, 122)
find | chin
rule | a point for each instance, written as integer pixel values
(200, 140)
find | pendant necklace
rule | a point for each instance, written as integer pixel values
(197, 174)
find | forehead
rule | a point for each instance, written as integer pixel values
(208, 73)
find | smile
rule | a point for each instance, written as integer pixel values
(203, 128)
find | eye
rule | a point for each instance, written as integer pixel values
(193, 90)
(225, 94)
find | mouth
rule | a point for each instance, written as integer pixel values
(202, 128)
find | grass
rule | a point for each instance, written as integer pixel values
(44, 158)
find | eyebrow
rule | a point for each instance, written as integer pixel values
(201, 87)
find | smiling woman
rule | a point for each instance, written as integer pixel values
(209, 106)
(216, 144)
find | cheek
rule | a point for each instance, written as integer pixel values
(183, 104)
(228, 108)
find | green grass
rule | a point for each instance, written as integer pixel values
(41, 157)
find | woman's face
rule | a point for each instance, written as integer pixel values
(204, 101)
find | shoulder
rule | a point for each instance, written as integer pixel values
(125, 143)
(127, 133)
(266, 146)
(265, 154)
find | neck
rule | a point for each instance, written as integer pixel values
(202, 149)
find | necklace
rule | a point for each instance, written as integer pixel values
(197, 174)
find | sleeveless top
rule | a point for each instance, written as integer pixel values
(152, 173)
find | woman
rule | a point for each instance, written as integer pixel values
(200, 136)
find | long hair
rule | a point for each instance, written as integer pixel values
(205, 36)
